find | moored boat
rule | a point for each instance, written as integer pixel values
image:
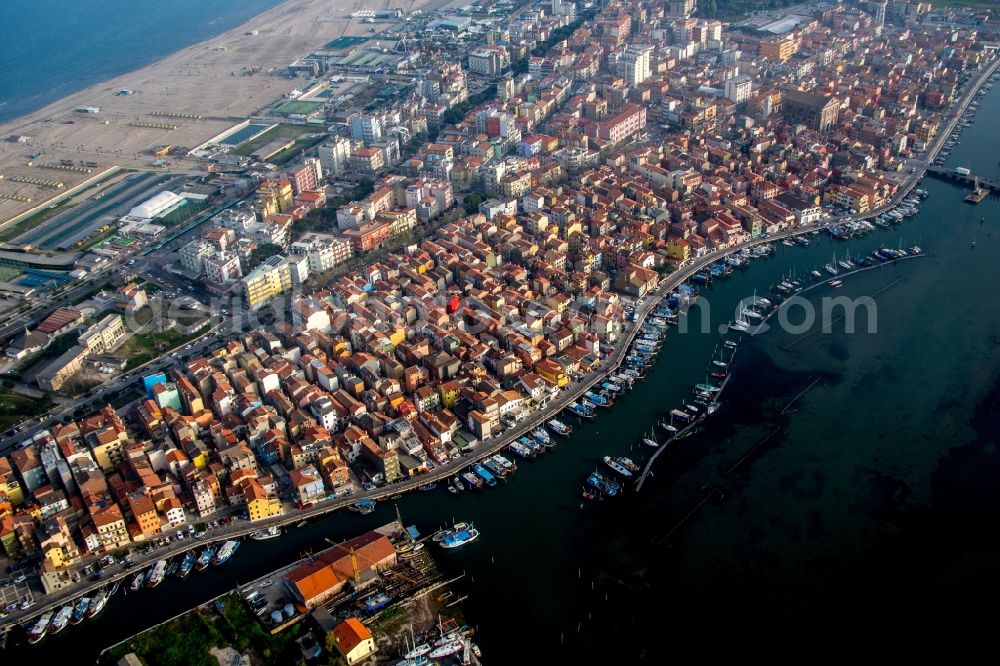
(460, 538)
(186, 564)
(205, 558)
(605, 485)
(617, 467)
(363, 506)
(80, 611)
(484, 474)
(156, 574)
(61, 619)
(559, 428)
(40, 628)
(472, 481)
(269, 533)
(99, 601)
(628, 464)
(226, 551)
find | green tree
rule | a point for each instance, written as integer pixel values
(472, 202)
(262, 252)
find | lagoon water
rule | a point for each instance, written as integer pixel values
(53, 48)
(874, 507)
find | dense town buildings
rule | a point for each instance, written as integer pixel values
(646, 138)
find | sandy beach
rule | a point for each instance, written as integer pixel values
(209, 79)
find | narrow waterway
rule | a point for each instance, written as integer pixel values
(874, 501)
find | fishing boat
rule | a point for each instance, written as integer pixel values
(484, 474)
(376, 602)
(61, 619)
(605, 485)
(100, 600)
(542, 437)
(495, 469)
(617, 467)
(363, 506)
(205, 558)
(187, 563)
(440, 535)
(472, 481)
(580, 410)
(521, 450)
(264, 535)
(80, 611)
(628, 464)
(227, 550)
(156, 574)
(460, 538)
(597, 399)
(40, 628)
(505, 463)
(559, 428)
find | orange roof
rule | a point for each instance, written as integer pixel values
(349, 634)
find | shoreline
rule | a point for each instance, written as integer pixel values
(105, 83)
(211, 85)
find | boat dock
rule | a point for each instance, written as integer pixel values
(680, 434)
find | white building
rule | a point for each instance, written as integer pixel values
(223, 267)
(156, 206)
(322, 251)
(738, 88)
(333, 155)
(635, 64)
(193, 256)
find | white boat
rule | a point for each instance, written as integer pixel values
(449, 648)
(226, 551)
(99, 602)
(650, 440)
(157, 574)
(40, 628)
(269, 533)
(616, 466)
(61, 619)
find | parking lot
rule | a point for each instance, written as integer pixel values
(13, 594)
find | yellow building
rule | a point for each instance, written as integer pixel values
(9, 485)
(551, 372)
(272, 278)
(678, 250)
(259, 505)
(449, 393)
(275, 196)
(353, 640)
